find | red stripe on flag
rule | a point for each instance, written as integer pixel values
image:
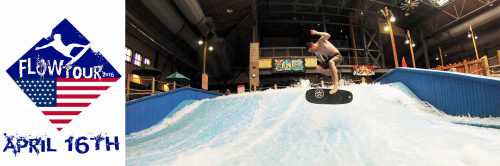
(72, 104)
(61, 112)
(82, 87)
(87, 80)
(60, 121)
(77, 96)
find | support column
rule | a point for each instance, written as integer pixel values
(253, 72)
(204, 81)
(204, 76)
(380, 49)
(411, 49)
(393, 40)
(486, 66)
(498, 57)
(129, 76)
(365, 46)
(353, 42)
(255, 27)
(473, 36)
(426, 50)
(466, 66)
(153, 85)
(441, 56)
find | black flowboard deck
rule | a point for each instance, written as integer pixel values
(322, 96)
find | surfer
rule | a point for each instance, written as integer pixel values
(327, 55)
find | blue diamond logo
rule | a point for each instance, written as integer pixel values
(62, 75)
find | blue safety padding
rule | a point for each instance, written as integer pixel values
(145, 112)
(454, 93)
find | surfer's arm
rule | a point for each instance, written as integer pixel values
(324, 36)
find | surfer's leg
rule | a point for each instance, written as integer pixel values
(334, 75)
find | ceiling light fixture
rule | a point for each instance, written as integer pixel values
(386, 28)
(393, 19)
(408, 6)
(440, 3)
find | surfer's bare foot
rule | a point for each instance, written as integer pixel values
(333, 91)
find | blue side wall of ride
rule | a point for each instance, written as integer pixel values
(147, 111)
(454, 93)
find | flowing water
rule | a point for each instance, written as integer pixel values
(384, 125)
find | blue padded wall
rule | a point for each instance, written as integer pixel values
(454, 93)
(147, 111)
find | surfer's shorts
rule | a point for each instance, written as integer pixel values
(326, 64)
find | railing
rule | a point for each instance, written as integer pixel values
(274, 52)
(494, 63)
(322, 84)
(356, 60)
(147, 86)
(479, 67)
(283, 51)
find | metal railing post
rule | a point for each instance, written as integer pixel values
(153, 88)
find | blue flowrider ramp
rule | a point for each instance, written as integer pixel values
(454, 93)
(383, 125)
(147, 111)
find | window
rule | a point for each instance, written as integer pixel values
(137, 59)
(136, 79)
(147, 62)
(128, 54)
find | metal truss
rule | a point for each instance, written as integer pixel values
(456, 12)
(318, 7)
(372, 46)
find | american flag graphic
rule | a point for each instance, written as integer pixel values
(62, 99)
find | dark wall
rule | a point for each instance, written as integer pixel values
(148, 50)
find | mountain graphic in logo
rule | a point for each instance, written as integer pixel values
(62, 75)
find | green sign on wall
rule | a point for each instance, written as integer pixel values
(288, 65)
